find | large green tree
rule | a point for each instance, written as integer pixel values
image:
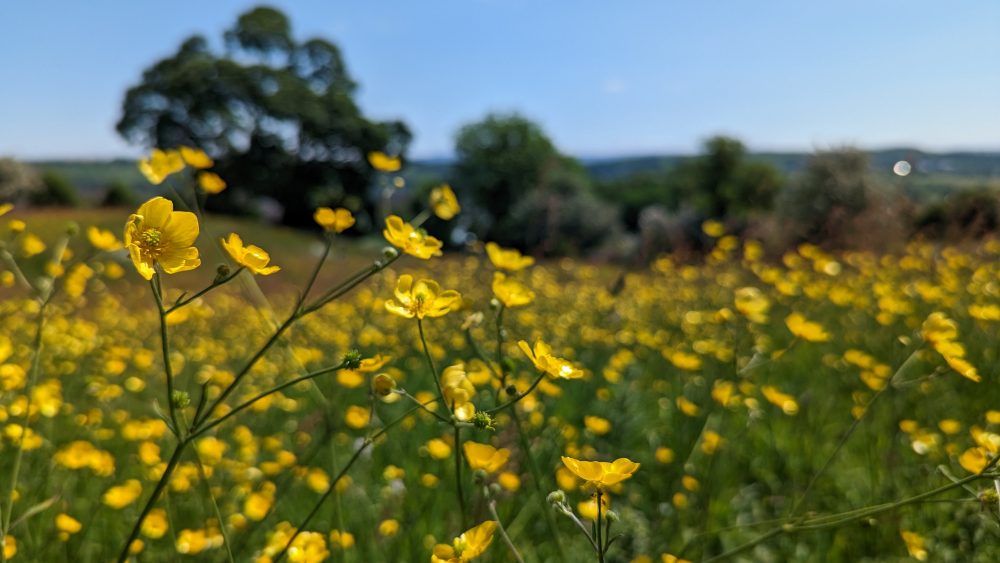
(500, 160)
(278, 116)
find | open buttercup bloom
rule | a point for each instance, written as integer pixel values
(444, 203)
(601, 474)
(210, 182)
(383, 162)
(511, 292)
(334, 220)
(544, 361)
(413, 241)
(157, 235)
(161, 164)
(466, 547)
(421, 299)
(252, 257)
(485, 456)
(509, 259)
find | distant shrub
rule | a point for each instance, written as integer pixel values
(836, 187)
(18, 181)
(962, 215)
(118, 194)
(56, 191)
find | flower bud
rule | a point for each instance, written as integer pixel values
(180, 399)
(389, 252)
(221, 272)
(383, 384)
(72, 229)
(556, 497)
(352, 360)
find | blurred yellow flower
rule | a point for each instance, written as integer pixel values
(334, 220)
(31, 245)
(588, 508)
(161, 164)
(413, 241)
(196, 158)
(914, 545)
(383, 162)
(458, 391)
(597, 425)
(485, 456)
(806, 330)
(253, 258)
(5, 208)
(102, 239)
(67, 526)
(120, 496)
(444, 203)
(155, 525)
(156, 234)
(545, 362)
(438, 448)
(210, 182)
(466, 547)
(601, 474)
(357, 417)
(509, 259)
(421, 299)
(511, 292)
(388, 527)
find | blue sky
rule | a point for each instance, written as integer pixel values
(603, 78)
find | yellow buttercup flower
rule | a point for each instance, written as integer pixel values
(102, 239)
(511, 292)
(444, 203)
(67, 526)
(120, 496)
(161, 164)
(334, 220)
(544, 361)
(31, 245)
(410, 240)
(210, 182)
(383, 162)
(597, 425)
(485, 456)
(806, 330)
(156, 234)
(196, 158)
(421, 299)
(601, 474)
(458, 391)
(507, 258)
(253, 258)
(5, 208)
(466, 547)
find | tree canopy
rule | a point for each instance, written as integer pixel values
(277, 115)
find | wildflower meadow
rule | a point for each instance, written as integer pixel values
(176, 386)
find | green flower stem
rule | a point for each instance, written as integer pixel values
(165, 347)
(850, 431)
(259, 396)
(430, 361)
(492, 505)
(600, 546)
(350, 462)
(519, 396)
(8, 510)
(215, 507)
(175, 458)
(458, 475)
(840, 519)
(185, 300)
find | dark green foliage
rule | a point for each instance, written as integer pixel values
(966, 214)
(835, 188)
(118, 194)
(277, 115)
(500, 160)
(18, 181)
(56, 191)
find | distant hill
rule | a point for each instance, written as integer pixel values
(934, 173)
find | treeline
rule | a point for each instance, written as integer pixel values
(521, 191)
